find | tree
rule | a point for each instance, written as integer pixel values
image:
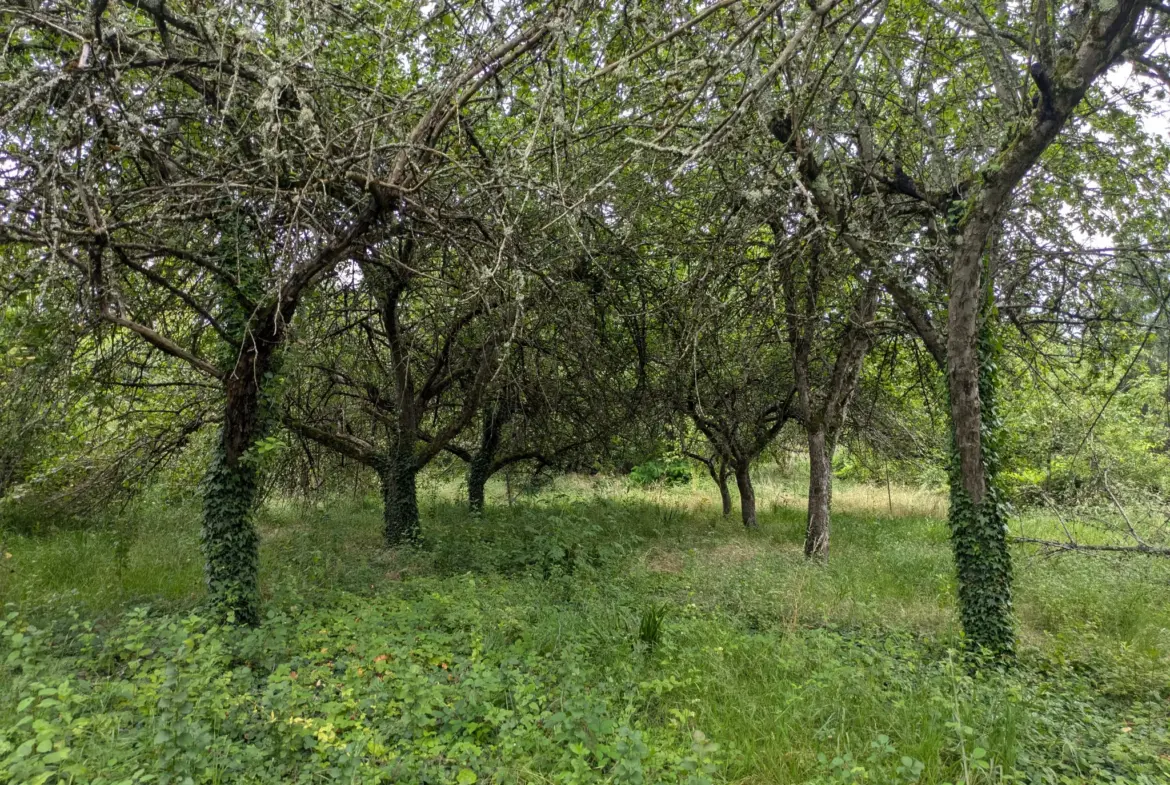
(222, 163)
(414, 368)
(733, 378)
(825, 401)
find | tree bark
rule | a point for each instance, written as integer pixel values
(477, 477)
(228, 537)
(718, 469)
(724, 490)
(979, 528)
(820, 495)
(480, 467)
(398, 477)
(747, 494)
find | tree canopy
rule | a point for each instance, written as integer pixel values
(581, 235)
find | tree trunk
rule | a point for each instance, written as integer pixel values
(477, 477)
(719, 473)
(820, 495)
(979, 527)
(747, 494)
(480, 467)
(398, 478)
(228, 538)
(725, 492)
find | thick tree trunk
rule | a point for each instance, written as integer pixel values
(820, 495)
(228, 538)
(398, 477)
(747, 494)
(477, 477)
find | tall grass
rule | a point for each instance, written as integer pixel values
(891, 570)
(801, 672)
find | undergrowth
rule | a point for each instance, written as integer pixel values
(584, 634)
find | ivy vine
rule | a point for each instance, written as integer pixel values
(979, 531)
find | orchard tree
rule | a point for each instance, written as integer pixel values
(223, 158)
(934, 150)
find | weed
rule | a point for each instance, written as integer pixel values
(652, 625)
(503, 653)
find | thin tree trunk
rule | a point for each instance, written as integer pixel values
(820, 495)
(724, 490)
(747, 494)
(398, 477)
(480, 467)
(719, 473)
(6, 472)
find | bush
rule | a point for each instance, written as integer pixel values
(668, 472)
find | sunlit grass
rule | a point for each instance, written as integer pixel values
(886, 569)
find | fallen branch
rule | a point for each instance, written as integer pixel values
(1056, 545)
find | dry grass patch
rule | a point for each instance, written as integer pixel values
(734, 553)
(664, 561)
(896, 501)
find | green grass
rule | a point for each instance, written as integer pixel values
(520, 638)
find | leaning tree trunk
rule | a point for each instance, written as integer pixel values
(719, 474)
(747, 494)
(228, 538)
(724, 490)
(978, 524)
(398, 478)
(820, 494)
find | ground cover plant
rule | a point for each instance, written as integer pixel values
(515, 649)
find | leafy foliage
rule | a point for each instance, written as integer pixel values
(432, 684)
(664, 471)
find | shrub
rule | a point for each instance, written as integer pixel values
(665, 471)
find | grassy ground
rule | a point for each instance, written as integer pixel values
(764, 669)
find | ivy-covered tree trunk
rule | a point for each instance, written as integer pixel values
(398, 477)
(820, 495)
(477, 477)
(979, 527)
(480, 467)
(228, 537)
(747, 494)
(230, 546)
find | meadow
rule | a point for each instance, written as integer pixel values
(588, 631)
